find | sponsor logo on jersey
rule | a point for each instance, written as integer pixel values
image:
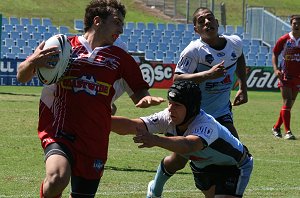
(86, 84)
(233, 55)
(209, 58)
(98, 165)
(225, 81)
(203, 131)
(221, 54)
(153, 118)
(184, 63)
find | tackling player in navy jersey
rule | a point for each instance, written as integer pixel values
(221, 164)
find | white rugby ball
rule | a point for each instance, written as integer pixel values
(53, 73)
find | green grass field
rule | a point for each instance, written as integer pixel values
(129, 169)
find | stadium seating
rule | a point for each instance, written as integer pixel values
(78, 25)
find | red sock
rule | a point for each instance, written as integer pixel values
(42, 195)
(286, 117)
(279, 122)
(41, 190)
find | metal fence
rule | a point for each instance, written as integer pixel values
(263, 25)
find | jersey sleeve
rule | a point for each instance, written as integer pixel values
(280, 45)
(237, 44)
(159, 123)
(131, 73)
(206, 131)
(188, 59)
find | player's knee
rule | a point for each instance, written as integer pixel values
(173, 164)
(56, 182)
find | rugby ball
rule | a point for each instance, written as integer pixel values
(53, 73)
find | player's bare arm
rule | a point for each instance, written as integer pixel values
(216, 71)
(125, 126)
(40, 58)
(275, 66)
(177, 144)
(143, 99)
(241, 96)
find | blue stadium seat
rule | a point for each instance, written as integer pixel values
(190, 27)
(25, 35)
(147, 32)
(46, 35)
(41, 28)
(137, 32)
(152, 46)
(176, 59)
(20, 42)
(255, 42)
(166, 39)
(46, 22)
(11, 56)
(246, 35)
(239, 30)
(175, 39)
(177, 33)
(14, 20)
(5, 20)
(37, 36)
(19, 28)
(188, 34)
(157, 32)
(171, 26)
(221, 29)
(269, 63)
(261, 56)
(250, 62)
(27, 50)
(155, 39)
(132, 47)
(263, 49)
(162, 46)
(127, 31)
(8, 28)
(134, 38)
(251, 55)
(78, 25)
(124, 37)
(260, 62)
(173, 47)
(22, 56)
(53, 30)
(36, 21)
(149, 55)
(167, 60)
(15, 35)
(185, 40)
(15, 50)
(168, 33)
(246, 49)
(25, 21)
(32, 43)
(63, 29)
(5, 34)
(141, 47)
(181, 27)
(4, 50)
(181, 46)
(159, 55)
(130, 25)
(151, 26)
(140, 25)
(161, 26)
(30, 28)
(9, 42)
(229, 29)
(254, 49)
(246, 42)
(170, 54)
(145, 38)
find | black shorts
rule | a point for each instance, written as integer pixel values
(227, 118)
(80, 187)
(225, 179)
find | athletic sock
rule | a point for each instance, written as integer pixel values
(286, 117)
(161, 177)
(279, 121)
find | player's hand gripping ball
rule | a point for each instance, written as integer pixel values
(52, 75)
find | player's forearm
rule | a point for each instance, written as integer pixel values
(26, 71)
(196, 77)
(125, 126)
(176, 144)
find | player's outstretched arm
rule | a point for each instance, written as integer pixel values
(40, 58)
(143, 99)
(125, 126)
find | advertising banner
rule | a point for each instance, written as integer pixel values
(156, 74)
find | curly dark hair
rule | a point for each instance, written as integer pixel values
(101, 8)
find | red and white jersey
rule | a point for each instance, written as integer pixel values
(80, 110)
(289, 47)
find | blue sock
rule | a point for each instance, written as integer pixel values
(161, 177)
